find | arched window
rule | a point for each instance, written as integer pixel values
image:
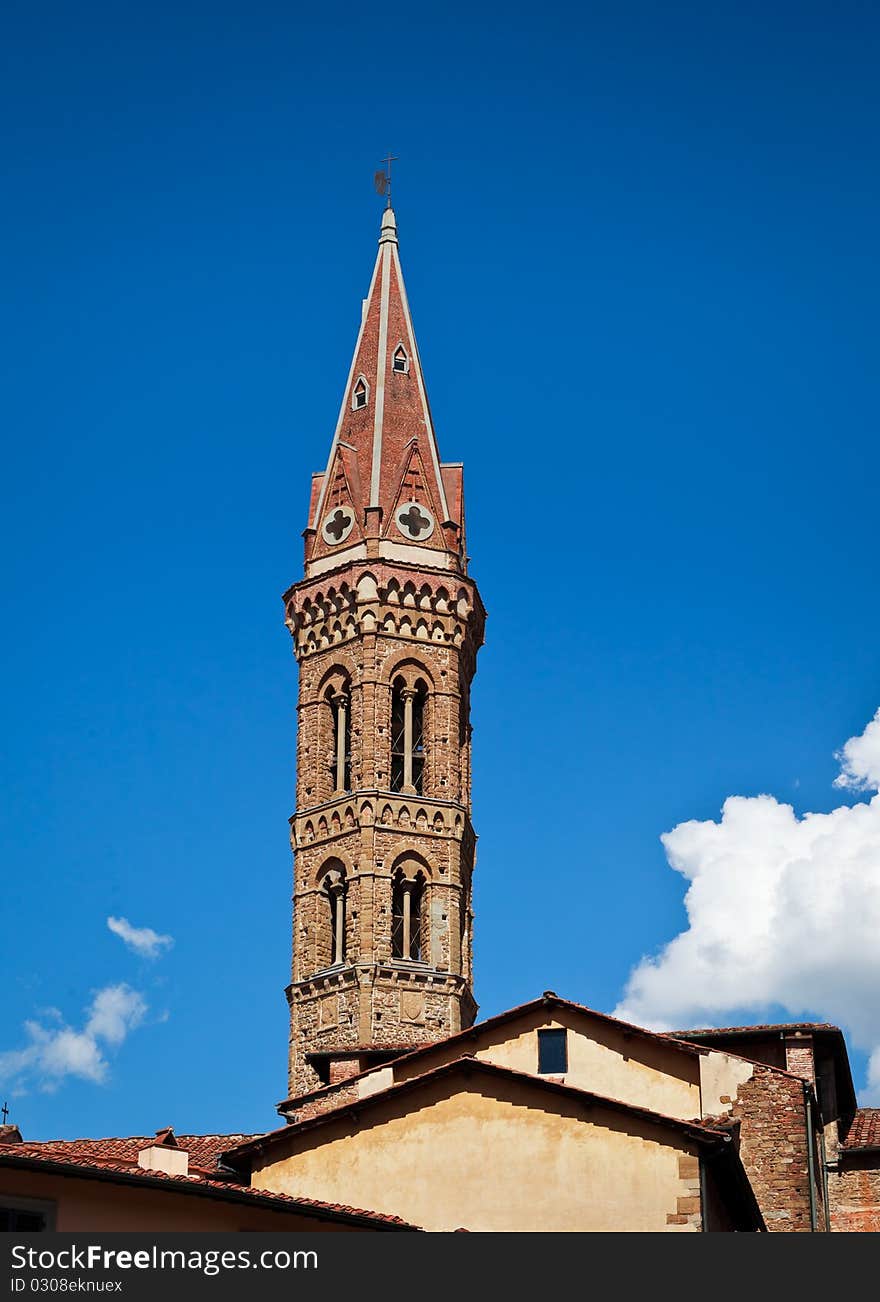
(408, 917)
(339, 704)
(333, 890)
(359, 394)
(408, 736)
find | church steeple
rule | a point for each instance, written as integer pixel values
(386, 627)
(384, 484)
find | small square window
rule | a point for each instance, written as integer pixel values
(553, 1052)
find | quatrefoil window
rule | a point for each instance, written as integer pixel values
(337, 525)
(414, 521)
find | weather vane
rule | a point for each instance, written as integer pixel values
(382, 180)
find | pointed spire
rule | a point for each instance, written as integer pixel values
(384, 479)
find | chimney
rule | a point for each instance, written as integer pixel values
(164, 1154)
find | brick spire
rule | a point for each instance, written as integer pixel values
(385, 491)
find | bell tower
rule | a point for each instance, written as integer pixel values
(386, 626)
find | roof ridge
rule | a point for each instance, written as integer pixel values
(472, 1063)
(548, 999)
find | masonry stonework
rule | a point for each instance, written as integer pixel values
(854, 1194)
(771, 1108)
(386, 626)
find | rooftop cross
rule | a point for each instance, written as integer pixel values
(382, 180)
(4, 1111)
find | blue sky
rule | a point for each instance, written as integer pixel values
(640, 248)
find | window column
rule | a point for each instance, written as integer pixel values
(340, 702)
(336, 891)
(406, 887)
(408, 698)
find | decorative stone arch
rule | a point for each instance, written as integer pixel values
(337, 675)
(410, 861)
(333, 863)
(367, 588)
(410, 669)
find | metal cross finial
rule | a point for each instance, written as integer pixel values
(5, 1113)
(382, 180)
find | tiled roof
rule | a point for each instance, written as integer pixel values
(548, 1000)
(758, 1029)
(466, 1064)
(69, 1158)
(203, 1149)
(865, 1130)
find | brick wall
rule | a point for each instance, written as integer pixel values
(773, 1149)
(854, 1194)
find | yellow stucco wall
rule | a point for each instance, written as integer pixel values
(721, 1075)
(455, 1154)
(605, 1062)
(602, 1058)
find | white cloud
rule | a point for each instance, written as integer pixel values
(860, 760)
(781, 911)
(59, 1051)
(143, 940)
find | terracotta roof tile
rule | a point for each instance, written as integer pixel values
(865, 1130)
(759, 1028)
(203, 1149)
